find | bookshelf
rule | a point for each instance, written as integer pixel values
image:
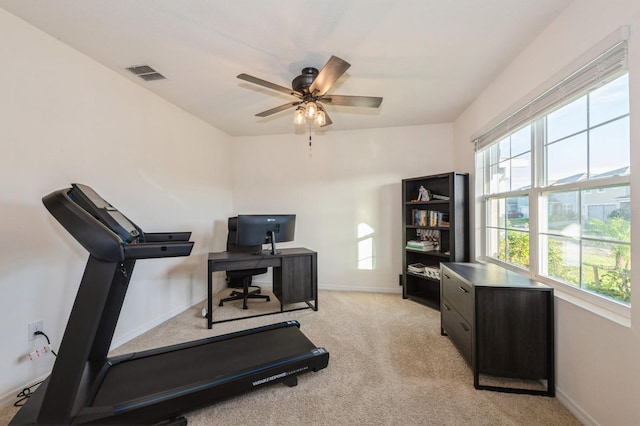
(435, 228)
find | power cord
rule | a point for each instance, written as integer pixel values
(25, 393)
(40, 333)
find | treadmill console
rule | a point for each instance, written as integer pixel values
(108, 215)
(105, 232)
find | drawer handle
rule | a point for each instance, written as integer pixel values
(447, 276)
(462, 289)
(464, 326)
(447, 306)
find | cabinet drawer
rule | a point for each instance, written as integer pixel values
(458, 293)
(457, 328)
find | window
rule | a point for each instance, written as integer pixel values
(555, 186)
(588, 244)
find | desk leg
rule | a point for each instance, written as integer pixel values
(209, 296)
(314, 278)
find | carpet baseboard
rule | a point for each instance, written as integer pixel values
(575, 409)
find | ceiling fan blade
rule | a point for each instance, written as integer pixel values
(277, 109)
(357, 101)
(264, 83)
(328, 75)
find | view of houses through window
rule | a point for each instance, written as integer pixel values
(567, 172)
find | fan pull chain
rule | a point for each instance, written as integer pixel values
(310, 153)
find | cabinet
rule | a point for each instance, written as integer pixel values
(503, 325)
(296, 278)
(435, 229)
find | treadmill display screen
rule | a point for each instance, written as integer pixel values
(108, 215)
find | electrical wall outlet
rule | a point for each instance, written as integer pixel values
(35, 326)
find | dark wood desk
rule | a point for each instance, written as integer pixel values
(295, 275)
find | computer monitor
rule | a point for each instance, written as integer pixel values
(258, 229)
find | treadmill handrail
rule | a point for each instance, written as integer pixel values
(83, 227)
(109, 246)
(159, 249)
(154, 237)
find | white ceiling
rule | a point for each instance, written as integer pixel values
(428, 59)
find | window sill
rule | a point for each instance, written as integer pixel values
(608, 309)
(605, 308)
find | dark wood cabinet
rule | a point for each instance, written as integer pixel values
(434, 210)
(296, 280)
(503, 325)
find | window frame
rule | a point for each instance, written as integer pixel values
(598, 303)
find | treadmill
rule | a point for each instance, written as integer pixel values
(155, 386)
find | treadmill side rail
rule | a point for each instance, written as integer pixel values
(207, 384)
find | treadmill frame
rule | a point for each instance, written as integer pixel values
(81, 367)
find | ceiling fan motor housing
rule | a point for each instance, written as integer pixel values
(302, 82)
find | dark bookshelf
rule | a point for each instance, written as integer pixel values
(446, 222)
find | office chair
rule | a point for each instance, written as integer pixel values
(244, 275)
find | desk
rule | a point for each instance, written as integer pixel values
(295, 274)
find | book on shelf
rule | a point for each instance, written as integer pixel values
(429, 218)
(425, 240)
(439, 219)
(427, 271)
(439, 197)
(420, 217)
(421, 245)
(417, 268)
(432, 272)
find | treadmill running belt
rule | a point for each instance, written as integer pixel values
(143, 377)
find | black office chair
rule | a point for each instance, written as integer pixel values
(242, 278)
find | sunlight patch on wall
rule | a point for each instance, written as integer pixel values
(366, 259)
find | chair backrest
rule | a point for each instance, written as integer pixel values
(235, 278)
(232, 226)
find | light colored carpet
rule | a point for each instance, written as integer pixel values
(388, 365)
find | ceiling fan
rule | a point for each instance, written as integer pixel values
(311, 88)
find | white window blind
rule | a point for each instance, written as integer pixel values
(596, 72)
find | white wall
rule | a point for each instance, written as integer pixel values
(347, 179)
(597, 360)
(65, 118)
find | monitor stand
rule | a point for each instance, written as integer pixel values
(272, 237)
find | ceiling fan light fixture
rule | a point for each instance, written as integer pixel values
(321, 118)
(312, 110)
(298, 116)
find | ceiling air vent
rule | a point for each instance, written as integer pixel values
(146, 73)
